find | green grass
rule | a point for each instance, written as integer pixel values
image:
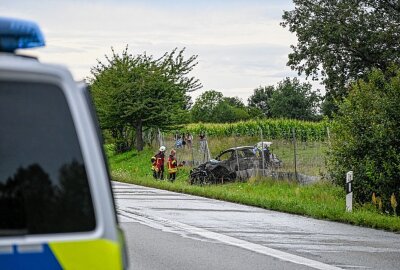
(321, 200)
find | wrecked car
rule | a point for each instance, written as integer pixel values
(235, 163)
(211, 172)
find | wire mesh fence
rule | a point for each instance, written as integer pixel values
(248, 156)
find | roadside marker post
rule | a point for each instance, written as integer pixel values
(349, 191)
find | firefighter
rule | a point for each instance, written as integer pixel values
(154, 167)
(172, 166)
(158, 164)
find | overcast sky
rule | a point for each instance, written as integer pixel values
(240, 44)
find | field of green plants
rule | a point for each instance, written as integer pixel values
(270, 128)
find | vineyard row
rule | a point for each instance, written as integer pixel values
(270, 128)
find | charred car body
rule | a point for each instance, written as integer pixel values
(235, 163)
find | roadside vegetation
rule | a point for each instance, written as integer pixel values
(321, 200)
(351, 47)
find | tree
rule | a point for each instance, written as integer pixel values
(205, 104)
(234, 102)
(365, 137)
(225, 112)
(292, 99)
(142, 92)
(212, 106)
(341, 41)
(260, 99)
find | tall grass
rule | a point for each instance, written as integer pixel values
(321, 200)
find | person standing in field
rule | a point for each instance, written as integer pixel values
(172, 166)
(189, 139)
(158, 164)
(202, 138)
(178, 142)
(183, 140)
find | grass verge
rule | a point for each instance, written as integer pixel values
(321, 200)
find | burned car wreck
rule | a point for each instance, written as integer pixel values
(235, 163)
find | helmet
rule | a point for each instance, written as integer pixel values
(162, 148)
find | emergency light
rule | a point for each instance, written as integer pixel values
(19, 34)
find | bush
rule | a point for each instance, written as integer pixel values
(365, 138)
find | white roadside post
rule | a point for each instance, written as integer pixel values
(349, 191)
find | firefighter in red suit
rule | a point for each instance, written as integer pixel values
(172, 166)
(158, 164)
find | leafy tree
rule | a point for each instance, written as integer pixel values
(225, 112)
(292, 99)
(234, 102)
(140, 92)
(241, 114)
(188, 102)
(254, 112)
(365, 137)
(341, 41)
(205, 104)
(212, 106)
(260, 99)
(329, 105)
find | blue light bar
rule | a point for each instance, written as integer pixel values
(19, 34)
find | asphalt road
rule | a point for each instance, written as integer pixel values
(167, 230)
(152, 249)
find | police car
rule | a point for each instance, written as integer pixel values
(56, 205)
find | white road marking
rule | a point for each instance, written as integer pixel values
(167, 225)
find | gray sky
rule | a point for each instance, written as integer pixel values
(239, 44)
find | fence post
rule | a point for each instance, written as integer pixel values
(237, 163)
(262, 152)
(328, 133)
(160, 138)
(207, 148)
(237, 158)
(192, 146)
(295, 152)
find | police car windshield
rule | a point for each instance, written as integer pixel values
(43, 182)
